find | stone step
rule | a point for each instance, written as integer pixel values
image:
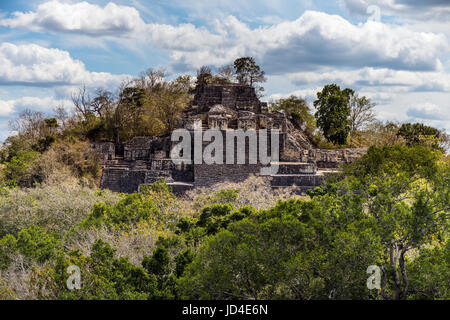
(117, 162)
(122, 168)
(179, 188)
(296, 168)
(280, 180)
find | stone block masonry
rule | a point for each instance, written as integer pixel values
(144, 160)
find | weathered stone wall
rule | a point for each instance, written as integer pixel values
(118, 180)
(207, 175)
(106, 150)
(231, 96)
(297, 168)
(332, 158)
(138, 148)
(166, 168)
(146, 159)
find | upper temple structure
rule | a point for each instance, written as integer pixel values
(143, 160)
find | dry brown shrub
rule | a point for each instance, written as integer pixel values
(56, 206)
(254, 191)
(134, 243)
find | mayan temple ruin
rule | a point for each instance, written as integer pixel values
(144, 160)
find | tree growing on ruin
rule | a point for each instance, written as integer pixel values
(102, 103)
(248, 72)
(169, 104)
(204, 76)
(227, 73)
(298, 112)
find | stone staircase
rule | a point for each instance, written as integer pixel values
(205, 125)
(302, 175)
(119, 175)
(112, 179)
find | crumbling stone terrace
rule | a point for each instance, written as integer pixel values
(144, 160)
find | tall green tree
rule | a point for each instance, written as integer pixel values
(333, 113)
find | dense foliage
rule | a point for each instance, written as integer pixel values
(333, 112)
(388, 209)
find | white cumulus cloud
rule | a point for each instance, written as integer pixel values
(367, 77)
(307, 94)
(43, 104)
(81, 17)
(313, 40)
(429, 111)
(317, 39)
(31, 64)
(6, 108)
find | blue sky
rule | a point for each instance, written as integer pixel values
(397, 52)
